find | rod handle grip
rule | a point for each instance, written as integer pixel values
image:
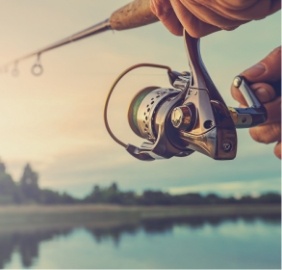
(134, 14)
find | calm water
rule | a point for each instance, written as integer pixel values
(253, 243)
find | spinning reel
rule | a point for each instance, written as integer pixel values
(190, 116)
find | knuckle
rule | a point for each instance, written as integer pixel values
(266, 134)
(277, 52)
(257, 136)
(277, 150)
(161, 8)
(193, 32)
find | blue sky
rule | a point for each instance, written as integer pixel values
(55, 121)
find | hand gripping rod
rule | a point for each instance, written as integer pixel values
(134, 14)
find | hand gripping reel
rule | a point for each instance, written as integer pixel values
(191, 116)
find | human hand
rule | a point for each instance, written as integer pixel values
(203, 17)
(262, 77)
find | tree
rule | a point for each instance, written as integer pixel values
(151, 197)
(270, 197)
(7, 186)
(29, 184)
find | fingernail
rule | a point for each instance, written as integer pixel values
(255, 71)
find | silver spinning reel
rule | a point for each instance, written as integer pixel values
(190, 116)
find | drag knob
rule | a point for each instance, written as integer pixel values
(183, 117)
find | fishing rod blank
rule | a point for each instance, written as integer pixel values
(132, 15)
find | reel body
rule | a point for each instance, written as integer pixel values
(191, 116)
(173, 125)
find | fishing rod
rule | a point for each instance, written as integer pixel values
(132, 15)
(190, 116)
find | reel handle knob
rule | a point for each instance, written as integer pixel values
(254, 114)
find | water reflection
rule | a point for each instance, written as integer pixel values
(166, 225)
(27, 243)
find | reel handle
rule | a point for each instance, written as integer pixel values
(255, 114)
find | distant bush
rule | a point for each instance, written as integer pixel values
(27, 191)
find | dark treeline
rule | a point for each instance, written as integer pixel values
(113, 195)
(27, 191)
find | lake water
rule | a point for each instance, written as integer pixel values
(205, 243)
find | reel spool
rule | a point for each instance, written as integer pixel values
(149, 117)
(144, 108)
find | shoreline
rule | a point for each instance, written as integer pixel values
(35, 217)
(144, 211)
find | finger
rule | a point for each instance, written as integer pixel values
(266, 133)
(277, 150)
(243, 10)
(194, 27)
(164, 11)
(267, 70)
(273, 110)
(213, 13)
(264, 92)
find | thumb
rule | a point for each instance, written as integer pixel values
(268, 70)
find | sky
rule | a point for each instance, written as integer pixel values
(55, 121)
